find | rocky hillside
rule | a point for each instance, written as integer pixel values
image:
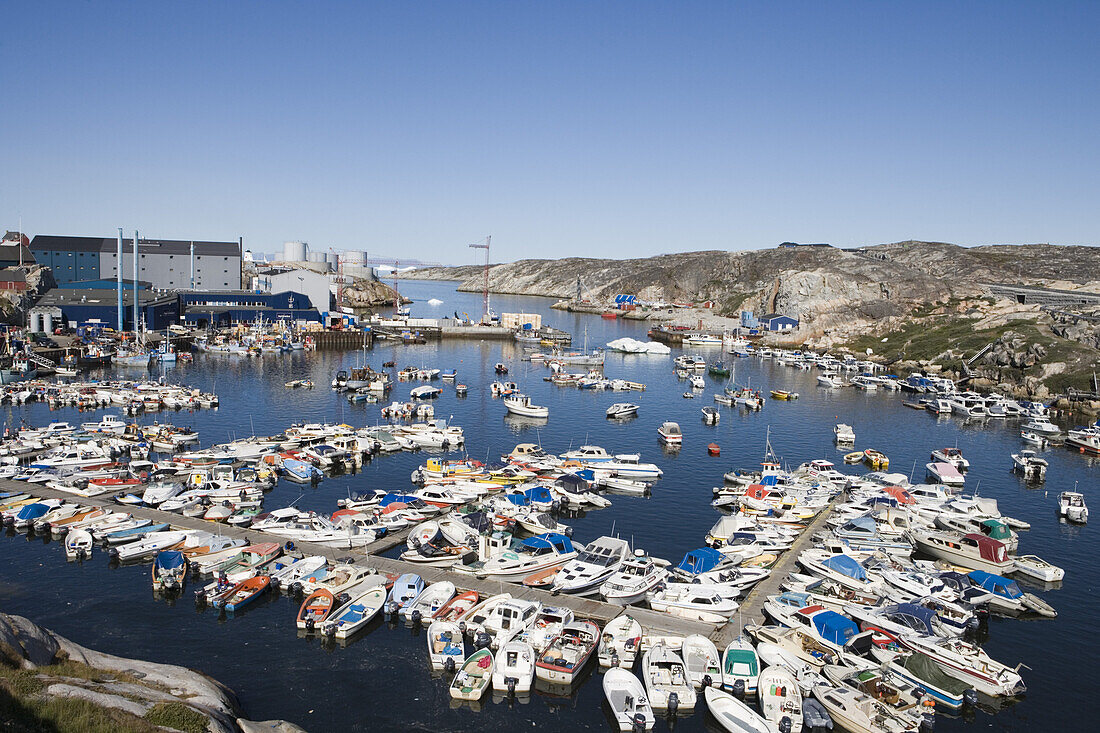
(52, 684)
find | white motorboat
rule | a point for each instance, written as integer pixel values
(701, 660)
(474, 677)
(945, 473)
(148, 547)
(627, 698)
(78, 545)
(562, 662)
(1039, 569)
(596, 563)
(697, 382)
(622, 409)
(430, 600)
(356, 613)
(526, 557)
(425, 392)
(734, 715)
(974, 551)
(844, 434)
(830, 380)
(1042, 426)
(696, 601)
(1034, 438)
(711, 416)
(1071, 505)
(515, 668)
(620, 642)
(509, 619)
(670, 433)
(446, 645)
(157, 493)
(636, 577)
(1085, 440)
(703, 339)
(740, 667)
(859, 713)
(474, 618)
(1030, 465)
(953, 456)
(520, 404)
(548, 624)
(666, 680)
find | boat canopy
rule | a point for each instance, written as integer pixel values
(170, 559)
(864, 525)
(574, 483)
(701, 560)
(539, 494)
(550, 541)
(915, 617)
(996, 529)
(392, 498)
(33, 511)
(622, 298)
(925, 669)
(902, 496)
(990, 549)
(834, 628)
(769, 481)
(518, 499)
(846, 565)
(996, 584)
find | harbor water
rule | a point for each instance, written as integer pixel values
(381, 680)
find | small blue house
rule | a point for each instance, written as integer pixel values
(777, 322)
(748, 320)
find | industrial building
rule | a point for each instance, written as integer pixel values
(164, 263)
(316, 286)
(76, 306)
(206, 309)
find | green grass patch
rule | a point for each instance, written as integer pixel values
(177, 716)
(63, 715)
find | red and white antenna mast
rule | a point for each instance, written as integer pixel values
(485, 291)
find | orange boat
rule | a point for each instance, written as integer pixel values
(541, 579)
(457, 606)
(243, 593)
(315, 609)
(713, 449)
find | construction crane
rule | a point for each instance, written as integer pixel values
(485, 292)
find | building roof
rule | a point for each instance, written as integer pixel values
(62, 297)
(10, 251)
(148, 246)
(12, 275)
(770, 316)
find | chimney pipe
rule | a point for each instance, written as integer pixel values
(118, 272)
(136, 319)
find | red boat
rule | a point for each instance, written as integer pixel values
(713, 449)
(315, 609)
(610, 315)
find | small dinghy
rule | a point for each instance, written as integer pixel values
(446, 646)
(627, 698)
(405, 589)
(567, 655)
(78, 545)
(355, 614)
(734, 715)
(701, 660)
(620, 641)
(169, 570)
(315, 609)
(780, 698)
(740, 668)
(515, 668)
(453, 609)
(474, 677)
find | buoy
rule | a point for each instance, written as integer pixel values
(713, 449)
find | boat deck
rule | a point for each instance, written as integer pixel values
(652, 621)
(752, 608)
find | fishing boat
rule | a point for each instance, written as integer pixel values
(520, 404)
(782, 394)
(844, 433)
(718, 369)
(627, 698)
(876, 459)
(355, 614)
(1030, 465)
(670, 433)
(562, 662)
(711, 416)
(474, 677)
(169, 570)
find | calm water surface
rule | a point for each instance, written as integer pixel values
(381, 681)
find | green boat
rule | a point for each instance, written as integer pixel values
(719, 369)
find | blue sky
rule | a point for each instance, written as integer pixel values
(561, 128)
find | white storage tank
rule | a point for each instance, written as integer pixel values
(355, 258)
(295, 251)
(319, 258)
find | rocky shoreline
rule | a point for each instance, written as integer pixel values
(41, 666)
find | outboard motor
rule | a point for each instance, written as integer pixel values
(673, 703)
(461, 628)
(569, 532)
(970, 697)
(707, 681)
(614, 659)
(310, 623)
(785, 724)
(392, 608)
(482, 640)
(739, 689)
(927, 722)
(511, 683)
(295, 589)
(416, 617)
(449, 664)
(329, 630)
(638, 724)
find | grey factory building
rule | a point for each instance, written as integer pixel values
(163, 263)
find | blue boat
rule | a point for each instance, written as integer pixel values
(301, 471)
(703, 560)
(30, 513)
(169, 570)
(405, 589)
(1007, 596)
(134, 533)
(834, 628)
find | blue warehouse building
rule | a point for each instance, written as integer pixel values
(778, 322)
(76, 306)
(217, 308)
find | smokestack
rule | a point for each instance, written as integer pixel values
(118, 272)
(192, 264)
(137, 321)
